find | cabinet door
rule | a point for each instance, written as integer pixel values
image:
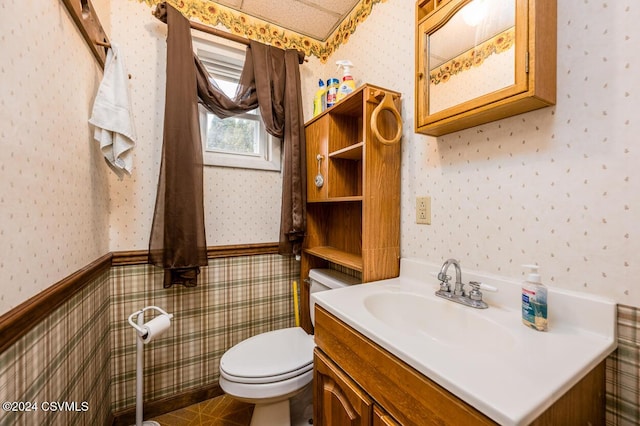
(466, 64)
(338, 401)
(317, 136)
(479, 61)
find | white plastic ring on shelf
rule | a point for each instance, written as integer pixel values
(386, 104)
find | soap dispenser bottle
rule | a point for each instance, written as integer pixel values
(534, 300)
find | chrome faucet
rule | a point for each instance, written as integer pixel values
(474, 299)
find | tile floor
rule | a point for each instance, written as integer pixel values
(226, 411)
(219, 411)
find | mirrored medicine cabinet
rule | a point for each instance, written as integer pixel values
(482, 60)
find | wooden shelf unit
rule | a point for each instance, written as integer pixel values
(353, 219)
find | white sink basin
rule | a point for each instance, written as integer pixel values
(438, 319)
(485, 357)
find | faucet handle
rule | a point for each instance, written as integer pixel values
(487, 287)
(475, 293)
(444, 282)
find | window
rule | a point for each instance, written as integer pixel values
(242, 140)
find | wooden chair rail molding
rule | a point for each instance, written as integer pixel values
(21, 319)
(139, 257)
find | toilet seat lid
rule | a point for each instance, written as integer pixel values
(271, 356)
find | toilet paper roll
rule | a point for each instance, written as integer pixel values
(156, 327)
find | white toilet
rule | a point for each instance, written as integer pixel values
(270, 368)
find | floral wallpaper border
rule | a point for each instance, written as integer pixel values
(211, 13)
(474, 57)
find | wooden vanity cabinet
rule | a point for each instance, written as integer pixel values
(342, 401)
(468, 74)
(353, 218)
(401, 393)
(380, 418)
(357, 382)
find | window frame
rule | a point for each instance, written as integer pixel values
(231, 56)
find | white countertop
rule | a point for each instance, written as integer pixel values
(509, 372)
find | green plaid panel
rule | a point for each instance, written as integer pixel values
(623, 371)
(236, 298)
(64, 358)
(85, 350)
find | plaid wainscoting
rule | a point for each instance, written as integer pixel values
(236, 298)
(63, 359)
(623, 371)
(84, 351)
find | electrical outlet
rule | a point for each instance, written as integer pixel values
(423, 210)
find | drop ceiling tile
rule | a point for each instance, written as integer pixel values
(341, 7)
(235, 4)
(315, 19)
(294, 15)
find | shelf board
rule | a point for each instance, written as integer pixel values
(338, 199)
(352, 152)
(332, 254)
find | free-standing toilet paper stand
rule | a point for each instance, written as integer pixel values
(145, 333)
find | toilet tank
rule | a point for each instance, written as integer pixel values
(327, 279)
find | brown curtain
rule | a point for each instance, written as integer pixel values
(277, 75)
(178, 240)
(270, 80)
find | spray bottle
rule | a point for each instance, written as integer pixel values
(332, 91)
(320, 99)
(348, 85)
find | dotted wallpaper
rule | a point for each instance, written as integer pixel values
(554, 186)
(557, 186)
(54, 195)
(241, 206)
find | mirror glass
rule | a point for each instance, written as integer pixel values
(472, 54)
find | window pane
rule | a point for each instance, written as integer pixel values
(228, 87)
(233, 134)
(240, 141)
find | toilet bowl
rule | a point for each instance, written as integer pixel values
(270, 368)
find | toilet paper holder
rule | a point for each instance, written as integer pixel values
(146, 332)
(149, 330)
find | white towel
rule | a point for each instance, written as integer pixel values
(112, 116)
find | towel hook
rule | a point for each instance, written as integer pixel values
(386, 104)
(107, 45)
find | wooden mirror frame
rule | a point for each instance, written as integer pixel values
(535, 67)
